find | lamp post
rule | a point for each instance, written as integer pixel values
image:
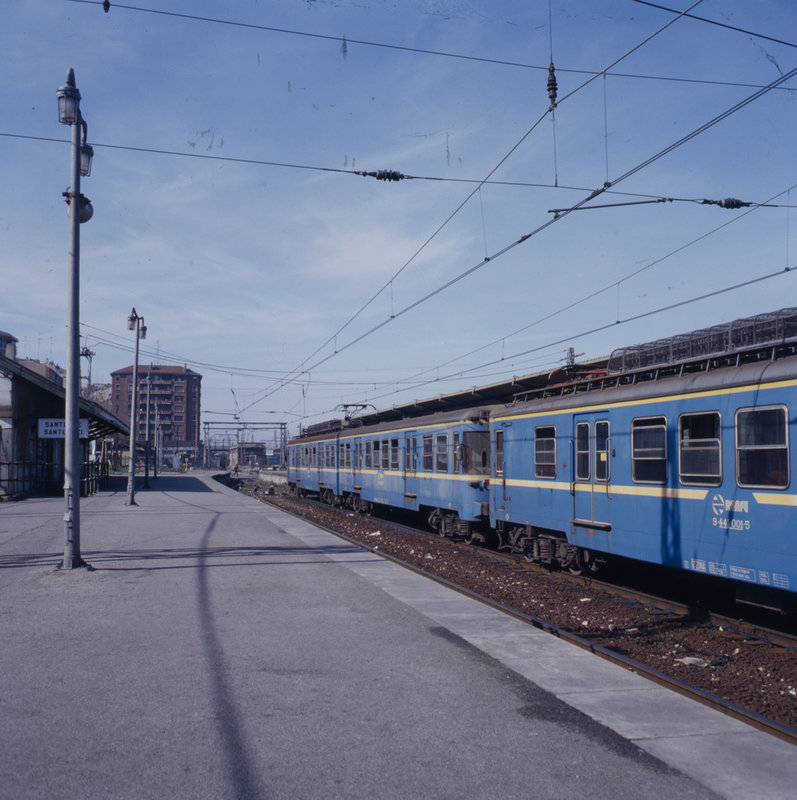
(79, 210)
(146, 437)
(134, 323)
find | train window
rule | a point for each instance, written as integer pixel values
(499, 453)
(385, 454)
(441, 460)
(649, 450)
(602, 450)
(476, 452)
(376, 453)
(348, 455)
(762, 447)
(582, 451)
(368, 455)
(410, 454)
(699, 449)
(545, 452)
(457, 454)
(394, 454)
(428, 455)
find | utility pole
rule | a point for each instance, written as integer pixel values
(80, 210)
(134, 323)
(146, 438)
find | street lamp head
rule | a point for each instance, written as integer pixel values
(86, 209)
(86, 154)
(84, 204)
(142, 331)
(68, 100)
(131, 320)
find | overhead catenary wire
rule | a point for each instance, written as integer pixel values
(717, 23)
(438, 53)
(731, 203)
(382, 175)
(309, 167)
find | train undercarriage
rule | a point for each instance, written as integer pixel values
(547, 547)
(537, 545)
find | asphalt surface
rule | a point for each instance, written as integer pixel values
(219, 648)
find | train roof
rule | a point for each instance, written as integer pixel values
(324, 432)
(762, 338)
(624, 389)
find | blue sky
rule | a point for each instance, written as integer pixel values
(228, 214)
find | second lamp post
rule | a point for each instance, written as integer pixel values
(134, 323)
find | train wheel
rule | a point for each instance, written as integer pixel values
(473, 537)
(576, 565)
(592, 564)
(435, 521)
(584, 563)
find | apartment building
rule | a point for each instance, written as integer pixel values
(174, 408)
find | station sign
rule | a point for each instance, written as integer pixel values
(56, 428)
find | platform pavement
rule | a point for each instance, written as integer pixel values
(220, 648)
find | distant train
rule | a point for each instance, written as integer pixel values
(684, 462)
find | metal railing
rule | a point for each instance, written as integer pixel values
(20, 478)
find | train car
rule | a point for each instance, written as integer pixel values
(688, 469)
(437, 464)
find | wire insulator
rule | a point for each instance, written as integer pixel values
(106, 5)
(728, 202)
(732, 202)
(552, 85)
(384, 175)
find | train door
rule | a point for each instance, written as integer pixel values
(592, 465)
(411, 466)
(500, 472)
(356, 463)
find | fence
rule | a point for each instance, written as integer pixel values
(19, 478)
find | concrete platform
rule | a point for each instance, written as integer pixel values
(220, 648)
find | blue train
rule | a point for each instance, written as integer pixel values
(437, 464)
(679, 461)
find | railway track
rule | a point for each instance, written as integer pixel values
(703, 610)
(754, 629)
(360, 531)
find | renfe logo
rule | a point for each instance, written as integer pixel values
(721, 506)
